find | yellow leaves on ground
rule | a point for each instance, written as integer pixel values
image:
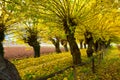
(45, 65)
(33, 68)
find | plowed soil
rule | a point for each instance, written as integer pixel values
(24, 52)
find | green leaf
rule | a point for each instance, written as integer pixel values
(10, 7)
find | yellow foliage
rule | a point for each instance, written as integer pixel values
(65, 78)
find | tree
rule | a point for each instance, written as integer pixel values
(64, 43)
(31, 33)
(54, 35)
(100, 34)
(67, 13)
(8, 12)
(92, 22)
(56, 43)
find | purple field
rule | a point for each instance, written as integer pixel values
(23, 52)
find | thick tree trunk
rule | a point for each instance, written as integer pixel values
(81, 44)
(36, 50)
(85, 46)
(57, 48)
(64, 44)
(108, 44)
(89, 41)
(96, 44)
(1, 50)
(2, 36)
(56, 44)
(66, 48)
(101, 45)
(75, 52)
(7, 70)
(74, 49)
(90, 50)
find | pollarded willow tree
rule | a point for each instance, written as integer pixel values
(92, 22)
(68, 13)
(5, 18)
(55, 36)
(102, 32)
(30, 32)
(9, 12)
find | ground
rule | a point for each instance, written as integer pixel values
(17, 52)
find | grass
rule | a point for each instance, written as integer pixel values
(32, 68)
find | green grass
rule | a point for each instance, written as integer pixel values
(32, 68)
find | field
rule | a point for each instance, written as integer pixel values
(34, 68)
(18, 52)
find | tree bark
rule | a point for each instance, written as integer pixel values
(96, 44)
(7, 70)
(81, 44)
(74, 49)
(56, 44)
(2, 36)
(64, 44)
(85, 46)
(108, 43)
(1, 50)
(36, 50)
(66, 48)
(90, 50)
(75, 52)
(57, 48)
(101, 45)
(89, 41)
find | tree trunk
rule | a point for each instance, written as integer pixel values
(56, 44)
(81, 45)
(101, 45)
(66, 48)
(75, 52)
(2, 36)
(108, 44)
(89, 41)
(1, 50)
(7, 70)
(74, 49)
(57, 47)
(36, 50)
(85, 46)
(90, 50)
(64, 44)
(96, 46)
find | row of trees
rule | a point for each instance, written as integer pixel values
(96, 22)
